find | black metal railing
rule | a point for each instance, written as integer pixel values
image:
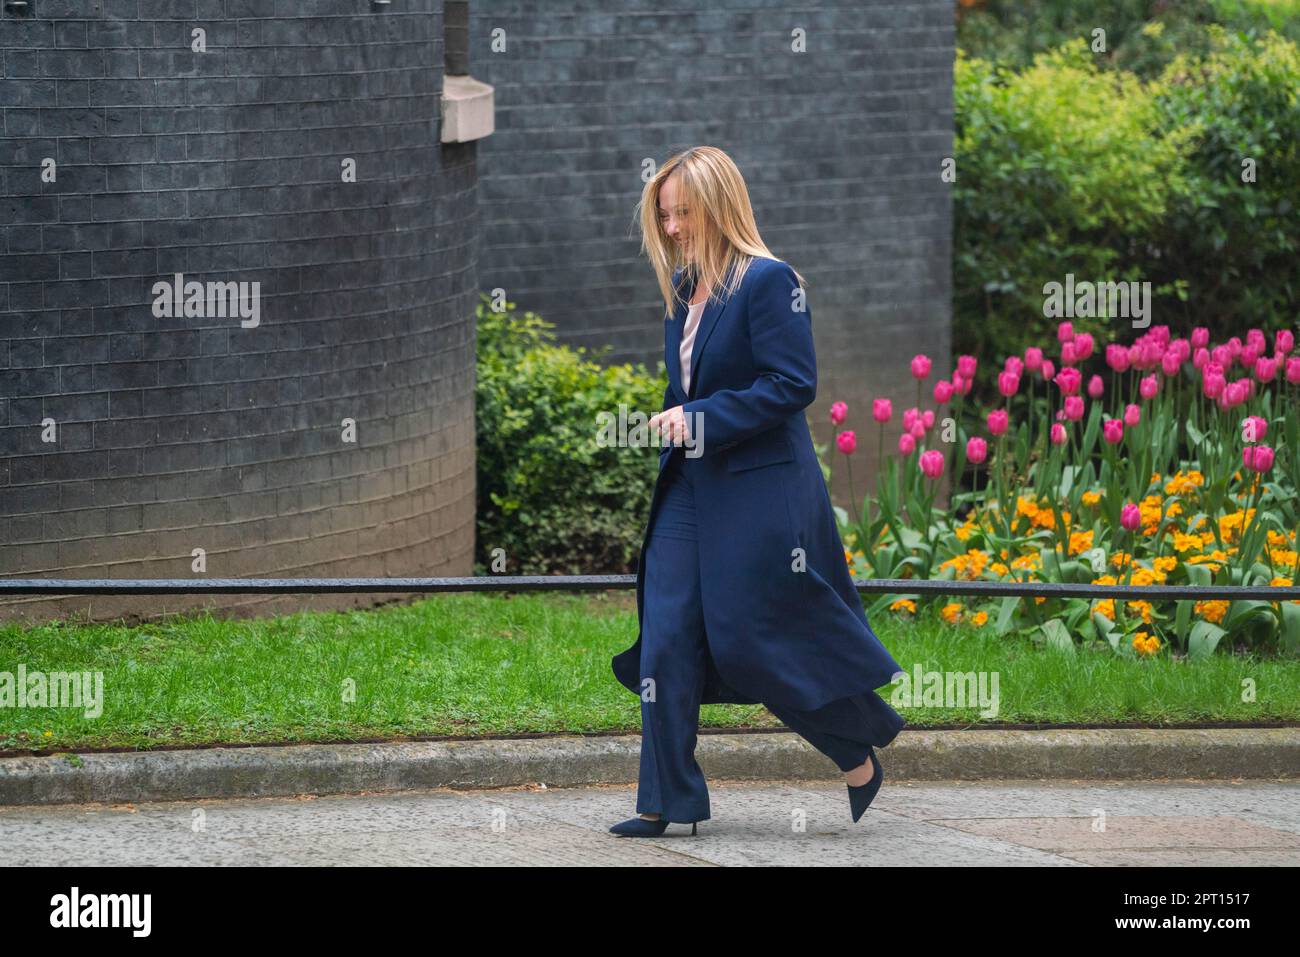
(583, 583)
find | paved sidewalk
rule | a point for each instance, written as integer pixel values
(944, 824)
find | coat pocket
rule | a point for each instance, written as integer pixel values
(759, 450)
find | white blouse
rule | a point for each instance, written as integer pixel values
(688, 341)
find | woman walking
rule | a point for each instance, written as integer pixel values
(743, 594)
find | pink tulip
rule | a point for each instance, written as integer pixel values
(1047, 370)
(1257, 457)
(1234, 346)
(1293, 370)
(1222, 355)
(927, 417)
(1058, 433)
(882, 410)
(977, 450)
(942, 392)
(1170, 363)
(1008, 383)
(966, 366)
(963, 384)
(1132, 415)
(920, 366)
(906, 444)
(998, 421)
(1096, 387)
(1067, 353)
(1033, 358)
(1112, 430)
(1200, 337)
(1200, 358)
(1213, 386)
(838, 411)
(1065, 332)
(1083, 346)
(1013, 365)
(1074, 407)
(1283, 341)
(1265, 369)
(1248, 356)
(1069, 380)
(932, 463)
(1255, 340)
(1254, 428)
(1130, 516)
(1148, 386)
(1117, 357)
(846, 441)
(909, 418)
(917, 430)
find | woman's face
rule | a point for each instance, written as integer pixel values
(674, 217)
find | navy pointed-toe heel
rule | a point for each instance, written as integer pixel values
(640, 827)
(860, 797)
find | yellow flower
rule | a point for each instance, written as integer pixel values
(1146, 644)
(980, 617)
(1142, 606)
(1182, 483)
(1210, 560)
(951, 612)
(1080, 541)
(1147, 576)
(969, 565)
(1281, 582)
(1165, 563)
(1212, 610)
(1090, 498)
(1028, 561)
(1231, 525)
(904, 604)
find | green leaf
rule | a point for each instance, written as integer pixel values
(1204, 638)
(1058, 636)
(1003, 624)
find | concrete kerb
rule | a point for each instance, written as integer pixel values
(916, 755)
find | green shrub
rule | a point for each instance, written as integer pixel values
(1141, 36)
(549, 495)
(1061, 168)
(1236, 243)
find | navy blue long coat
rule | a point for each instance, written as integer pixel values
(776, 634)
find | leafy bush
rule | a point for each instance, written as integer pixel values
(1069, 167)
(553, 498)
(1236, 242)
(1061, 168)
(1141, 36)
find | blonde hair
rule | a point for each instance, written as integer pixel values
(723, 232)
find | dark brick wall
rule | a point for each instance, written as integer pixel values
(841, 148)
(184, 433)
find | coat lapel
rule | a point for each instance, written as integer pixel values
(673, 341)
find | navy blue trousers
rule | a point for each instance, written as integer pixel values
(674, 652)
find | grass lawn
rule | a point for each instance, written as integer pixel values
(464, 664)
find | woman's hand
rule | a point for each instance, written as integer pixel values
(670, 422)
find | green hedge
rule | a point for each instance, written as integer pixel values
(549, 495)
(1068, 166)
